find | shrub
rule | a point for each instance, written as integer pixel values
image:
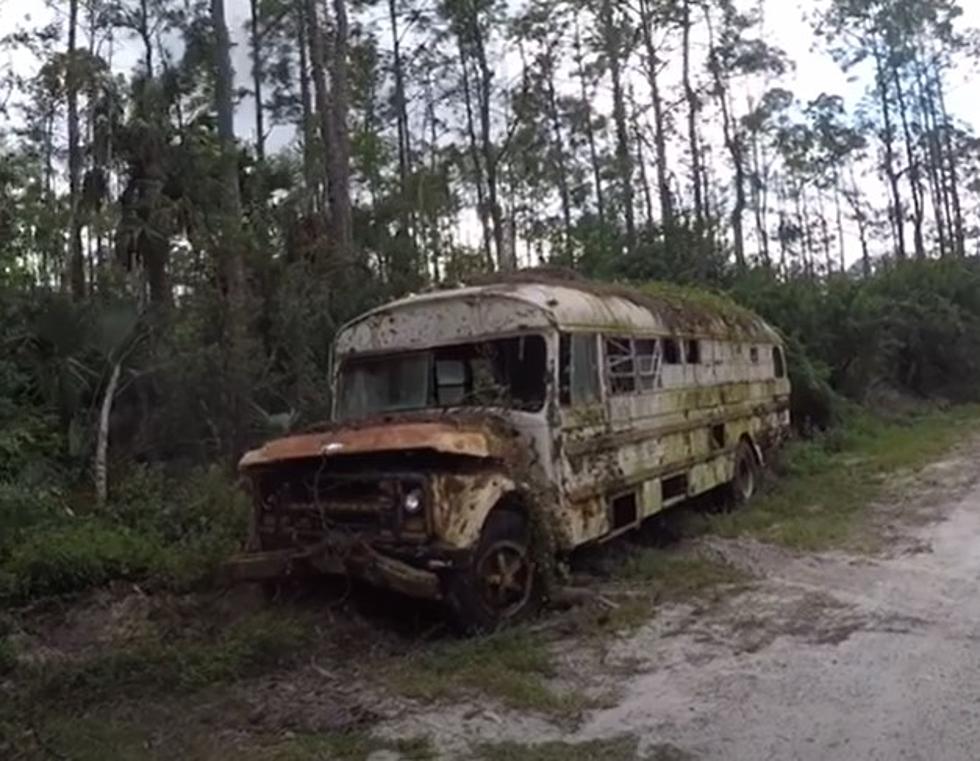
(78, 554)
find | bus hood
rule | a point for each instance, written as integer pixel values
(472, 437)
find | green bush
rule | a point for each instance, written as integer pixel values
(164, 530)
(913, 328)
(80, 553)
(8, 655)
(184, 661)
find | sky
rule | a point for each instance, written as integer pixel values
(787, 25)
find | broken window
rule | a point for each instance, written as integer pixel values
(672, 352)
(389, 384)
(509, 372)
(754, 355)
(648, 363)
(693, 351)
(450, 387)
(579, 363)
(620, 366)
(779, 366)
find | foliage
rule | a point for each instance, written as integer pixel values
(512, 666)
(913, 328)
(164, 530)
(176, 663)
(826, 482)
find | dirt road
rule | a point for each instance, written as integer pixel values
(826, 657)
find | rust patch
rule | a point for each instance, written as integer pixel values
(454, 436)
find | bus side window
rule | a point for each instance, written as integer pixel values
(648, 363)
(620, 365)
(672, 352)
(779, 365)
(693, 347)
(579, 369)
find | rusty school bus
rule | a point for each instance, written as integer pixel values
(477, 431)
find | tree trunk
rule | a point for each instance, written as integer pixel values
(959, 231)
(146, 37)
(435, 235)
(102, 438)
(839, 219)
(758, 187)
(257, 75)
(230, 244)
(590, 129)
(693, 112)
(888, 138)
(483, 210)
(853, 197)
(915, 179)
(641, 165)
(76, 256)
(935, 171)
(401, 118)
(612, 44)
(733, 143)
(659, 123)
(506, 255)
(307, 127)
(318, 69)
(561, 167)
(338, 158)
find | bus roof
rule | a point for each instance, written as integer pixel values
(578, 304)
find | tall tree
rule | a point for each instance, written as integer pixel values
(76, 255)
(653, 64)
(230, 243)
(255, 42)
(339, 155)
(611, 34)
(693, 102)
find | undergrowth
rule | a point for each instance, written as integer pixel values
(513, 666)
(823, 486)
(168, 663)
(156, 529)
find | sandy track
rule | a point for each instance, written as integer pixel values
(827, 656)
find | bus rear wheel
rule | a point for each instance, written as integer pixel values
(745, 480)
(502, 583)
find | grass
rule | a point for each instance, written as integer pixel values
(824, 485)
(105, 736)
(651, 576)
(619, 748)
(255, 644)
(513, 666)
(352, 746)
(677, 574)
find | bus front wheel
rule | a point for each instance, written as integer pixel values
(502, 583)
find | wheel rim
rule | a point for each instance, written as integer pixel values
(505, 576)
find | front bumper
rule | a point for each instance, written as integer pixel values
(338, 554)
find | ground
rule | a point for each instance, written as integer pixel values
(726, 646)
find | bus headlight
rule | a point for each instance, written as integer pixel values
(413, 502)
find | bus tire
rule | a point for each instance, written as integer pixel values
(502, 584)
(746, 476)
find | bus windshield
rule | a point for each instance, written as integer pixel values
(507, 372)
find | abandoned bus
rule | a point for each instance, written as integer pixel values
(478, 430)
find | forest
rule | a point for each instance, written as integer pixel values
(195, 194)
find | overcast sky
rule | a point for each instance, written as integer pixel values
(787, 25)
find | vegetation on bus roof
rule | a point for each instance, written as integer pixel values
(679, 306)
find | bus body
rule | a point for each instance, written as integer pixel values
(475, 429)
